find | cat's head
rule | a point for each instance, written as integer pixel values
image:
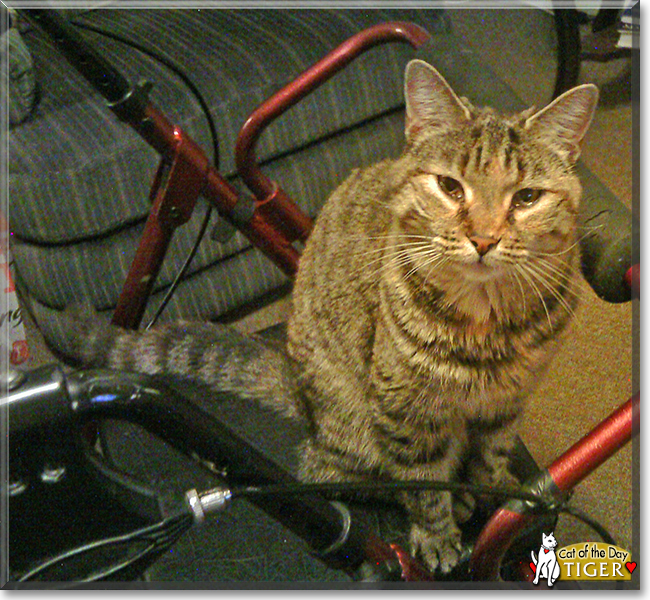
(549, 541)
(488, 191)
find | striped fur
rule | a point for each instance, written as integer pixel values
(216, 355)
(431, 295)
(429, 299)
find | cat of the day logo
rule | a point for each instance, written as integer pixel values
(586, 561)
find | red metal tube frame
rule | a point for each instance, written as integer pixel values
(276, 222)
(184, 175)
(271, 199)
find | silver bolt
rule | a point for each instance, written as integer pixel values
(207, 502)
(52, 474)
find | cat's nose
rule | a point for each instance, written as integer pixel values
(482, 243)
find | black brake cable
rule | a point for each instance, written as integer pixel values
(360, 487)
(164, 534)
(544, 503)
(158, 537)
(215, 145)
(591, 522)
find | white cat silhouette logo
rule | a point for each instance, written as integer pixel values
(545, 563)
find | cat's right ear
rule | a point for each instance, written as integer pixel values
(430, 101)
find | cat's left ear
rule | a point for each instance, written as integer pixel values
(565, 121)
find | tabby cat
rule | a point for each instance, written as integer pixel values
(429, 299)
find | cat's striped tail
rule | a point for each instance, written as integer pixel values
(213, 354)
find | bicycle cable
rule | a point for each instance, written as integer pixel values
(215, 146)
(163, 535)
(544, 503)
(159, 537)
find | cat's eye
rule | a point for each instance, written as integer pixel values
(526, 197)
(452, 187)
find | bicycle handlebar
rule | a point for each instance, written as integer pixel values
(47, 396)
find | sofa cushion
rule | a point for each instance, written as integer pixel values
(79, 179)
(74, 147)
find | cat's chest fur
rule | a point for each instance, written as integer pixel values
(428, 357)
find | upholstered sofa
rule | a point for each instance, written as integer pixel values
(79, 179)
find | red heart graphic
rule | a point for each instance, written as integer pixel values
(534, 568)
(630, 566)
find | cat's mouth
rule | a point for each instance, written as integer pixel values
(479, 270)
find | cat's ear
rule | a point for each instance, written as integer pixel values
(430, 101)
(564, 122)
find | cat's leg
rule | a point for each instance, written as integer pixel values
(538, 570)
(463, 507)
(435, 535)
(336, 451)
(554, 573)
(329, 463)
(490, 463)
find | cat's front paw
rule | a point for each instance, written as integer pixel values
(463, 507)
(440, 551)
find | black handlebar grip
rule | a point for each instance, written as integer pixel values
(41, 399)
(102, 75)
(610, 239)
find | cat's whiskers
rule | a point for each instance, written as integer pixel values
(542, 278)
(554, 261)
(406, 253)
(568, 248)
(531, 283)
(515, 274)
(400, 246)
(418, 261)
(411, 251)
(399, 252)
(558, 276)
(390, 236)
(591, 228)
(564, 270)
(442, 259)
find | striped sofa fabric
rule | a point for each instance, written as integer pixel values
(80, 179)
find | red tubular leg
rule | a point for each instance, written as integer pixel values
(272, 200)
(495, 539)
(176, 187)
(633, 279)
(566, 472)
(142, 274)
(184, 175)
(597, 446)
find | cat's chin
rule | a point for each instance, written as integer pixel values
(480, 272)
